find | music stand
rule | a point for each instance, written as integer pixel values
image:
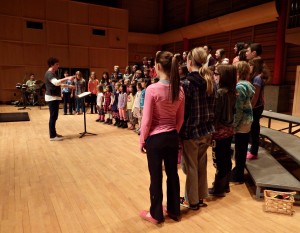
(24, 98)
(83, 95)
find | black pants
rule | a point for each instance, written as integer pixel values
(255, 129)
(241, 148)
(68, 101)
(163, 147)
(53, 109)
(93, 99)
(222, 162)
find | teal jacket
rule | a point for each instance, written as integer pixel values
(244, 116)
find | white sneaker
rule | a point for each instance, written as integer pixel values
(56, 139)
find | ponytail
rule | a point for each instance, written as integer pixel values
(198, 57)
(170, 64)
(174, 78)
(206, 73)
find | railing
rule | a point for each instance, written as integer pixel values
(294, 14)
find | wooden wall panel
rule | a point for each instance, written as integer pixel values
(99, 71)
(117, 38)
(118, 18)
(79, 35)
(241, 35)
(61, 53)
(176, 47)
(117, 57)
(255, 15)
(143, 15)
(67, 34)
(38, 71)
(10, 28)
(208, 9)
(9, 7)
(57, 10)
(34, 9)
(143, 38)
(199, 42)
(98, 16)
(221, 40)
(78, 13)
(35, 54)
(11, 75)
(136, 52)
(79, 57)
(99, 57)
(57, 33)
(292, 61)
(98, 40)
(266, 35)
(13, 53)
(31, 35)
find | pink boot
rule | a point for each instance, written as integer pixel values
(251, 156)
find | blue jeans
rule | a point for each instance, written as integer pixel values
(53, 109)
(67, 100)
(79, 104)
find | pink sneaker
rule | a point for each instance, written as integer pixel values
(146, 216)
(251, 156)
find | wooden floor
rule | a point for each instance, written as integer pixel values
(100, 183)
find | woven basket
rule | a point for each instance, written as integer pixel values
(276, 205)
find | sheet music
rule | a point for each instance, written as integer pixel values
(84, 94)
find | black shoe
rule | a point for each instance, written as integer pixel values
(98, 120)
(174, 217)
(109, 122)
(201, 203)
(116, 122)
(184, 203)
(120, 124)
(211, 192)
(124, 125)
(236, 181)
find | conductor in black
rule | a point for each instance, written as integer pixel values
(53, 95)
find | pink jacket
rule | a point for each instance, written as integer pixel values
(160, 114)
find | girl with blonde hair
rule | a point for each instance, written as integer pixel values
(200, 90)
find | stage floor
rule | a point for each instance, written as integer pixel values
(100, 183)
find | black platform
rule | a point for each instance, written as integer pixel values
(14, 116)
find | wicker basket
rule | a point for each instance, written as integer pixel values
(275, 205)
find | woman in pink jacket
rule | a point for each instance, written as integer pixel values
(162, 119)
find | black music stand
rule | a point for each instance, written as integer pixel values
(24, 98)
(83, 95)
